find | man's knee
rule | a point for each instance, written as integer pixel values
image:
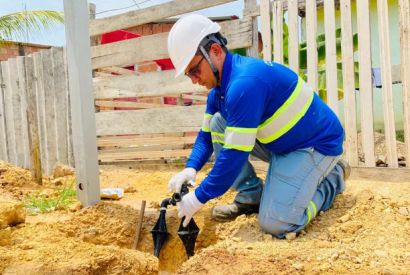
(218, 123)
(278, 228)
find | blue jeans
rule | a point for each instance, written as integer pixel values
(298, 185)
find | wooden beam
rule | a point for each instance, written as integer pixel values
(266, 30)
(145, 155)
(293, 25)
(119, 71)
(404, 20)
(150, 14)
(331, 60)
(82, 101)
(178, 119)
(253, 51)
(147, 84)
(33, 138)
(278, 32)
(61, 104)
(365, 81)
(385, 60)
(349, 84)
(145, 141)
(312, 55)
(128, 150)
(3, 131)
(152, 47)
(125, 104)
(195, 97)
(102, 74)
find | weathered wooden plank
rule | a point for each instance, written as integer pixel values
(129, 150)
(99, 74)
(385, 60)
(127, 104)
(255, 11)
(331, 62)
(3, 131)
(60, 103)
(119, 71)
(149, 84)
(266, 30)
(150, 14)
(178, 119)
(38, 67)
(312, 55)
(18, 120)
(404, 20)
(146, 141)
(22, 83)
(50, 112)
(33, 136)
(293, 25)
(253, 51)
(195, 97)
(82, 101)
(365, 81)
(145, 155)
(152, 47)
(71, 161)
(278, 32)
(349, 84)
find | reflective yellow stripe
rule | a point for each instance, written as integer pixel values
(217, 134)
(207, 123)
(309, 216)
(206, 129)
(238, 147)
(288, 115)
(208, 115)
(314, 208)
(241, 130)
(218, 141)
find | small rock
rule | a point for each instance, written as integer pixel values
(381, 159)
(11, 214)
(351, 226)
(129, 189)
(344, 218)
(17, 241)
(334, 257)
(381, 253)
(267, 237)
(61, 170)
(321, 213)
(387, 271)
(299, 266)
(57, 182)
(403, 211)
(290, 236)
(237, 239)
(76, 206)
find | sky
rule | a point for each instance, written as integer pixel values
(56, 37)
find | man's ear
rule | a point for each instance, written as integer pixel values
(217, 50)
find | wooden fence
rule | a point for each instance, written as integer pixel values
(34, 101)
(34, 116)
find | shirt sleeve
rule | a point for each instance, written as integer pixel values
(245, 102)
(203, 148)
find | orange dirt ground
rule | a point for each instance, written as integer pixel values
(366, 231)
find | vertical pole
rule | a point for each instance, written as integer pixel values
(253, 50)
(3, 131)
(82, 101)
(312, 55)
(293, 48)
(277, 11)
(266, 29)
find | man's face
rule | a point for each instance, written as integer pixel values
(202, 73)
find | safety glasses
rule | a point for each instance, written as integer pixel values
(195, 71)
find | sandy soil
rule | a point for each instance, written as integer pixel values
(366, 231)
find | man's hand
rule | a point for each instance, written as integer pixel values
(187, 175)
(188, 207)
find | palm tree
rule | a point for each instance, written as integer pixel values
(20, 26)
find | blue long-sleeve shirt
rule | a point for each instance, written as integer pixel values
(251, 91)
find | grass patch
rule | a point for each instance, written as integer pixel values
(399, 134)
(64, 197)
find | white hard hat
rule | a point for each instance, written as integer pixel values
(185, 37)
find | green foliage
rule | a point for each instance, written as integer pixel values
(62, 197)
(20, 26)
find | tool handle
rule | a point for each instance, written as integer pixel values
(142, 210)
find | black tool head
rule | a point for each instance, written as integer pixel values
(188, 236)
(159, 233)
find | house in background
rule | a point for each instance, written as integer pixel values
(14, 49)
(395, 58)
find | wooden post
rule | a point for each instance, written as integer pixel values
(82, 101)
(331, 63)
(277, 11)
(404, 19)
(266, 30)
(253, 51)
(139, 225)
(3, 136)
(385, 60)
(68, 114)
(293, 48)
(60, 103)
(365, 81)
(349, 83)
(22, 81)
(312, 55)
(33, 136)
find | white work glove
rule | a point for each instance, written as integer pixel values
(188, 207)
(186, 176)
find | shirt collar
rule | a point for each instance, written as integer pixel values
(226, 74)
